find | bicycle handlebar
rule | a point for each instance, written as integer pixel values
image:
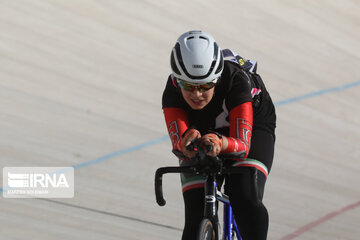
(203, 164)
(195, 169)
(158, 180)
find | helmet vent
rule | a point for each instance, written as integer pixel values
(221, 63)
(195, 32)
(180, 59)
(173, 64)
(216, 49)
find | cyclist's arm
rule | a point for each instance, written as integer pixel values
(177, 123)
(241, 121)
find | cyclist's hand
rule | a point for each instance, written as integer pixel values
(188, 137)
(211, 144)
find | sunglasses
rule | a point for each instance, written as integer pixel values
(191, 87)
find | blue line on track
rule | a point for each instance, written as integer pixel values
(164, 138)
(317, 93)
(121, 152)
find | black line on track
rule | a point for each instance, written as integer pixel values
(110, 214)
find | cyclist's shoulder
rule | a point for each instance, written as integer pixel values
(171, 95)
(233, 76)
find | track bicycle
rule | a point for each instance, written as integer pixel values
(212, 168)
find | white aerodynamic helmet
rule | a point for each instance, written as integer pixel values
(196, 58)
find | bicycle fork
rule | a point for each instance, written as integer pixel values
(210, 209)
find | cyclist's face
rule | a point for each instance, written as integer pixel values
(198, 100)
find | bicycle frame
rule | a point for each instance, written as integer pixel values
(228, 217)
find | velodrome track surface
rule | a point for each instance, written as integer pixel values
(81, 85)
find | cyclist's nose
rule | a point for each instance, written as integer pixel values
(196, 92)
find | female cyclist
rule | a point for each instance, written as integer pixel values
(216, 97)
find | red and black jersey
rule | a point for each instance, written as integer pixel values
(240, 105)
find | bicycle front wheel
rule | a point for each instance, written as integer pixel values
(206, 230)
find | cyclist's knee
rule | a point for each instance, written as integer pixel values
(242, 191)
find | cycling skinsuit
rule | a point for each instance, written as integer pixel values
(247, 126)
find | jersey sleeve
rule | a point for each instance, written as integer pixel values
(239, 103)
(176, 117)
(241, 121)
(177, 123)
